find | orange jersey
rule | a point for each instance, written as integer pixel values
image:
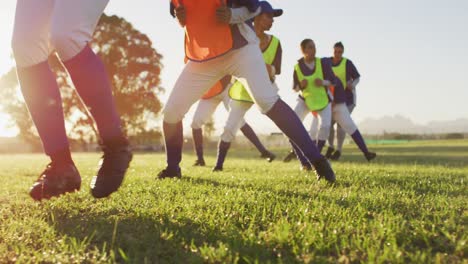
(205, 37)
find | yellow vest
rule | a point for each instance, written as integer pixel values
(316, 97)
(340, 71)
(237, 91)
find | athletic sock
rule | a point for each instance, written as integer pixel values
(62, 157)
(41, 94)
(197, 134)
(249, 133)
(174, 139)
(92, 83)
(300, 156)
(290, 124)
(223, 148)
(357, 137)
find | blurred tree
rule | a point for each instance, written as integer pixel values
(133, 66)
(209, 128)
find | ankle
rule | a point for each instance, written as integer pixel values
(62, 157)
(115, 141)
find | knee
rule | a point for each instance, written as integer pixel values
(266, 103)
(228, 135)
(242, 123)
(348, 126)
(324, 131)
(197, 123)
(171, 115)
(27, 49)
(66, 43)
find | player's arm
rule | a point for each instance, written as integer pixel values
(275, 68)
(298, 85)
(329, 77)
(243, 11)
(278, 60)
(354, 74)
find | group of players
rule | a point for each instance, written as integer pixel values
(223, 64)
(327, 99)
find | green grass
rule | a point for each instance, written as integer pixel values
(408, 207)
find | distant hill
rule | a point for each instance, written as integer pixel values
(404, 125)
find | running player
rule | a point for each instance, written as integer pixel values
(241, 100)
(313, 78)
(348, 74)
(66, 27)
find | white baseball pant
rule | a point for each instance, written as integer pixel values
(44, 26)
(206, 108)
(324, 119)
(198, 77)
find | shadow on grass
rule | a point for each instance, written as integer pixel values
(157, 239)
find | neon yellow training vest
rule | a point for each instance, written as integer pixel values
(237, 91)
(340, 71)
(316, 97)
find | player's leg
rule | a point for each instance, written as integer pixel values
(250, 134)
(331, 141)
(248, 65)
(343, 118)
(314, 127)
(203, 113)
(325, 117)
(341, 134)
(233, 123)
(72, 27)
(194, 81)
(301, 111)
(40, 90)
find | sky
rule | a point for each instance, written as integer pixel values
(411, 54)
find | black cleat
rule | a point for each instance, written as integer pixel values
(217, 168)
(270, 157)
(336, 155)
(370, 156)
(170, 174)
(329, 153)
(199, 163)
(56, 180)
(307, 167)
(291, 155)
(323, 169)
(112, 168)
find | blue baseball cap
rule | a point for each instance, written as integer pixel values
(267, 8)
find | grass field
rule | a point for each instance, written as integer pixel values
(408, 207)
